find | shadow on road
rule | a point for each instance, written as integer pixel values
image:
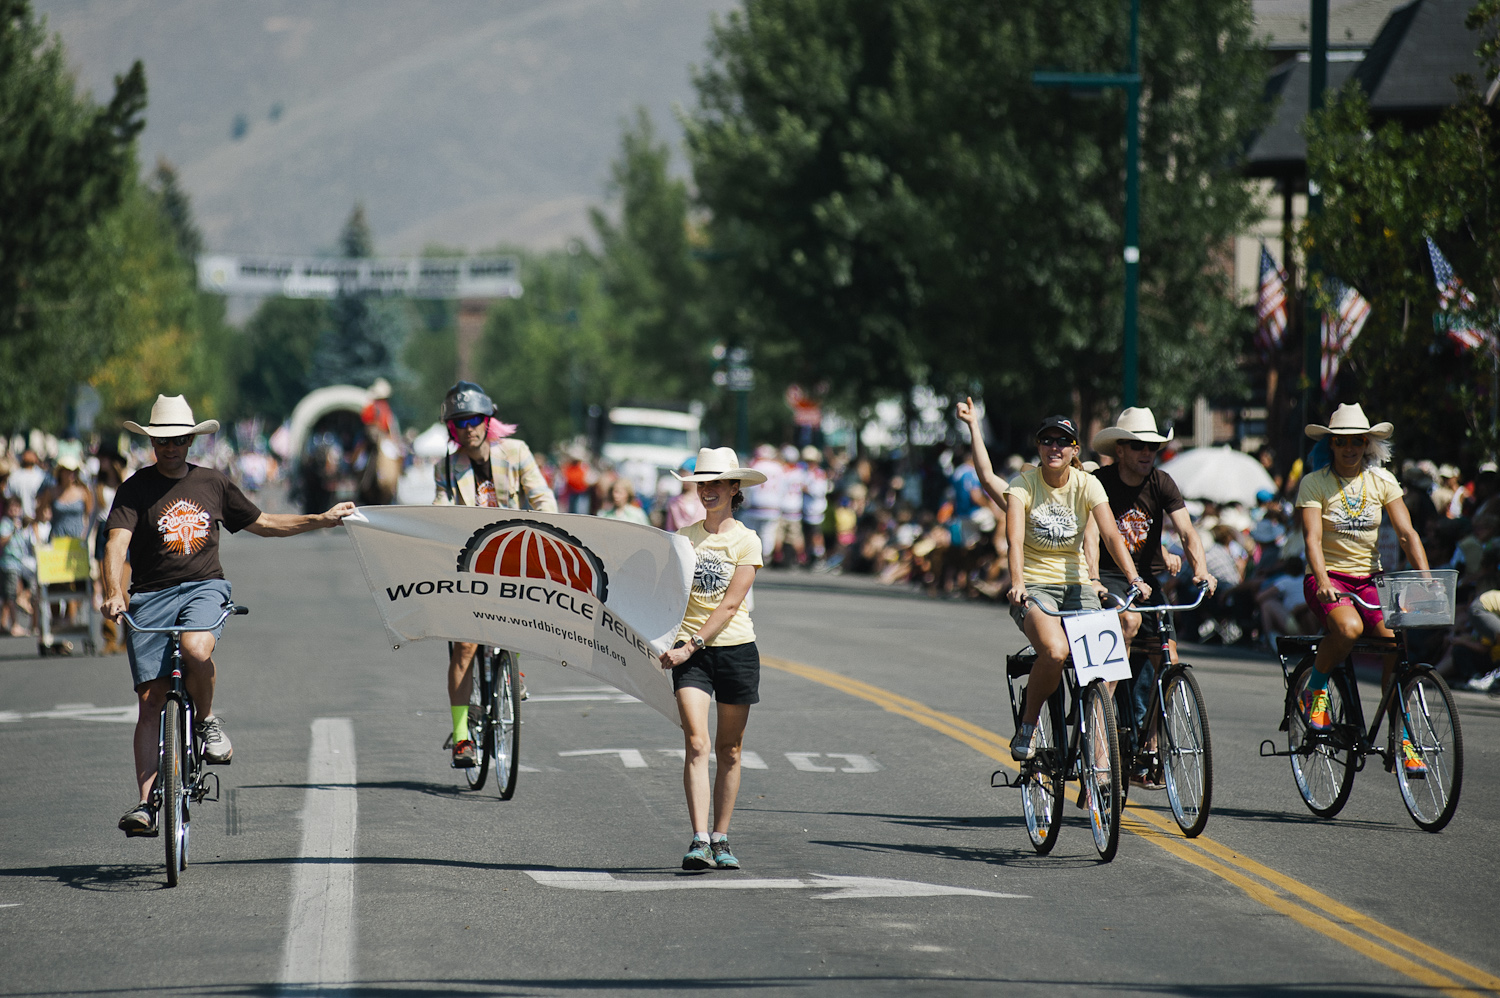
(109, 878)
(448, 790)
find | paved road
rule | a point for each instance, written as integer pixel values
(402, 884)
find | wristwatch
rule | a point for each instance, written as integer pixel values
(697, 642)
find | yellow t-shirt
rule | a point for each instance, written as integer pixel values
(1055, 518)
(1351, 511)
(716, 556)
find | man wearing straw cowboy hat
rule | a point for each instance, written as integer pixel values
(166, 517)
(1340, 507)
(1142, 497)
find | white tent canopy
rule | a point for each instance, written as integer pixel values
(317, 404)
(1218, 474)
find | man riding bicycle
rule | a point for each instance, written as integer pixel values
(483, 468)
(175, 578)
(1142, 497)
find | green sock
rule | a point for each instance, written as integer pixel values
(460, 723)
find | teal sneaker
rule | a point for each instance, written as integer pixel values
(723, 856)
(699, 856)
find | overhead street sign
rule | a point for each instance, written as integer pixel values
(326, 277)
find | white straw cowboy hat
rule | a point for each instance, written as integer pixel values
(719, 463)
(1349, 420)
(1133, 424)
(381, 389)
(171, 416)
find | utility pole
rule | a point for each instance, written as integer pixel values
(1130, 82)
(1312, 324)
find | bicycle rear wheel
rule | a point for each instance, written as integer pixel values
(1099, 765)
(481, 717)
(1431, 722)
(172, 817)
(1187, 756)
(506, 731)
(1323, 763)
(1045, 786)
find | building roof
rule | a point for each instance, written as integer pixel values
(1351, 23)
(1280, 148)
(1412, 62)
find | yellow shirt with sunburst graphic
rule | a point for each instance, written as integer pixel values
(1351, 509)
(1055, 518)
(715, 557)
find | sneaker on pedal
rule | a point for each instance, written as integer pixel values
(1315, 710)
(216, 748)
(1412, 762)
(723, 855)
(464, 755)
(1023, 745)
(700, 856)
(1148, 777)
(139, 821)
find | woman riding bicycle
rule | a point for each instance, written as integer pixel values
(1047, 564)
(1340, 506)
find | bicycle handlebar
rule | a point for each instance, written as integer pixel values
(230, 610)
(1130, 598)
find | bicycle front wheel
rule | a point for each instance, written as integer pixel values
(1323, 762)
(481, 717)
(172, 817)
(1099, 763)
(1043, 779)
(1430, 790)
(506, 731)
(1187, 756)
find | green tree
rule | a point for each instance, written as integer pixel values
(65, 166)
(273, 357)
(365, 338)
(898, 204)
(1386, 189)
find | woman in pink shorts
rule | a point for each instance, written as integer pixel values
(1341, 506)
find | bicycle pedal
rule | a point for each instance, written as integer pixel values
(153, 834)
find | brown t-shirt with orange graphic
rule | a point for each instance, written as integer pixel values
(174, 524)
(1140, 511)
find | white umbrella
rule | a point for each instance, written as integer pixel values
(432, 443)
(1218, 474)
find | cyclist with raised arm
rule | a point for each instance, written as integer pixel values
(1341, 506)
(1143, 497)
(483, 468)
(166, 517)
(1047, 508)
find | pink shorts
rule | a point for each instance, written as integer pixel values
(1362, 586)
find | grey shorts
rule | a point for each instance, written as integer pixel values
(191, 604)
(1069, 597)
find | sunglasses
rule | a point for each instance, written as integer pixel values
(1346, 441)
(181, 441)
(1143, 445)
(466, 422)
(1054, 441)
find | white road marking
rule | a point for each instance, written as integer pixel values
(15, 905)
(803, 761)
(581, 697)
(74, 712)
(630, 758)
(319, 947)
(748, 759)
(857, 763)
(843, 888)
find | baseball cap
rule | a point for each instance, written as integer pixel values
(1062, 423)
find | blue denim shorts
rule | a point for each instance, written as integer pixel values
(191, 604)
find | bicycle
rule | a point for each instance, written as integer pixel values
(1177, 715)
(495, 720)
(1090, 729)
(181, 779)
(1324, 762)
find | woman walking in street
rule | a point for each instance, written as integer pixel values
(715, 655)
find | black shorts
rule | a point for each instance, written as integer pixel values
(1148, 638)
(730, 673)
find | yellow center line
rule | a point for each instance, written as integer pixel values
(1205, 853)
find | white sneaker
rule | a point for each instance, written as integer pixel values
(1023, 745)
(216, 748)
(1485, 682)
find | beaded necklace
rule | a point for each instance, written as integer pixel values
(1355, 514)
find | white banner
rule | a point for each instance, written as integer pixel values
(599, 595)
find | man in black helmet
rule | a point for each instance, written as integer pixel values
(484, 469)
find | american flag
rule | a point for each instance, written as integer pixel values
(1270, 305)
(1457, 302)
(1350, 310)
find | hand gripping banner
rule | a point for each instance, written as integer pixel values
(598, 595)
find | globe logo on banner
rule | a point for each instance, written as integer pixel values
(526, 549)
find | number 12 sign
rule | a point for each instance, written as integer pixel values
(1098, 646)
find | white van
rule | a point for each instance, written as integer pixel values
(645, 445)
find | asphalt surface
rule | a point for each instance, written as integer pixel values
(573, 886)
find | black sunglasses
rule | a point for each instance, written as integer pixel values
(1055, 441)
(1143, 445)
(181, 441)
(466, 422)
